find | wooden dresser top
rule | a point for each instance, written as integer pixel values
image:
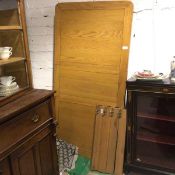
(23, 103)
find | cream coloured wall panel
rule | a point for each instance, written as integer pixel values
(152, 39)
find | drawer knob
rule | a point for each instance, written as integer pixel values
(35, 118)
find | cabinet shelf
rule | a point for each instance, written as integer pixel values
(10, 28)
(157, 161)
(157, 117)
(155, 138)
(161, 155)
(11, 60)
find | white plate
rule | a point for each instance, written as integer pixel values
(11, 87)
(146, 75)
(12, 84)
(157, 77)
(8, 92)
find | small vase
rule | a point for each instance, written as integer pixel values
(172, 73)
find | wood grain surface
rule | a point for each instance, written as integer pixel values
(90, 66)
(18, 106)
(105, 142)
(120, 145)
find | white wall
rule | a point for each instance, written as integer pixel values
(153, 26)
(152, 39)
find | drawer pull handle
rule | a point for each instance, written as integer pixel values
(35, 118)
(101, 110)
(55, 123)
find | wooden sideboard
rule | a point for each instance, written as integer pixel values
(27, 119)
(28, 135)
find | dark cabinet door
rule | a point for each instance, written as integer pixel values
(47, 152)
(24, 163)
(35, 157)
(5, 167)
(151, 131)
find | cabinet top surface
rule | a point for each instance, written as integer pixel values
(163, 83)
(24, 102)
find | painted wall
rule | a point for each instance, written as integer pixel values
(152, 39)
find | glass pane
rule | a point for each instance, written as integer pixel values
(9, 13)
(13, 39)
(13, 78)
(155, 136)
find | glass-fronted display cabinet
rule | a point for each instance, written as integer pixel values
(27, 117)
(150, 144)
(15, 71)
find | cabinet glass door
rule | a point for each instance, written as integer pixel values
(9, 15)
(155, 130)
(16, 71)
(13, 49)
(13, 39)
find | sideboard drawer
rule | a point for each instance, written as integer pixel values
(13, 131)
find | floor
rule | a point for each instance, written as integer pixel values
(96, 173)
(82, 167)
(90, 173)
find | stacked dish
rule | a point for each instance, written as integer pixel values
(8, 90)
(149, 76)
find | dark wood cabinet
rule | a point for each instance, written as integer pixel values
(34, 155)
(5, 167)
(150, 141)
(28, 135)
(27, 118)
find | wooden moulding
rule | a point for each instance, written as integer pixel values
(10, 28)
(25, 40)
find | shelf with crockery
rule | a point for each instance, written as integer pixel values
(10, 85)
(11, 47)
(7, 90)
(4, 96)
(13, 77)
